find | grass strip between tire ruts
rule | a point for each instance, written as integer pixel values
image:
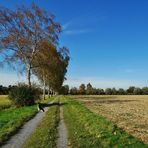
(45, 135)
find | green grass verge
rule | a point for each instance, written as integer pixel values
(45, 134)
(11, 119)
(87, 129)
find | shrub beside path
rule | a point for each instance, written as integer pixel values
(26, 130)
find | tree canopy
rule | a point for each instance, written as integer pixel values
(29, 36)
(21, 32)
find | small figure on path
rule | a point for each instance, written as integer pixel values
(40, 108)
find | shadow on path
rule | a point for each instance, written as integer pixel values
(53, 104)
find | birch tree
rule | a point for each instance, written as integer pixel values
(52, 66)
(21, 32)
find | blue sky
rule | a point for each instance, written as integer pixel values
(108, 41)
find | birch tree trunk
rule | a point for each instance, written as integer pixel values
(44, 87)
(48, 92)
(28, 70)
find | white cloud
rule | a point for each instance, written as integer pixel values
(66, 25)
(80, 31)
(10, 79)
(13, 78)
(128, 70)
(81, 23)
(98, 82)
(104, 82)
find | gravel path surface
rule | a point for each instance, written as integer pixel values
(26, 130)
(63, 134)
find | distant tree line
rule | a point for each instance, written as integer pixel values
(87, 90)
(90, 90)
(5, 90)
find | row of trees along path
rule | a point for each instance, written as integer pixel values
(29, 42)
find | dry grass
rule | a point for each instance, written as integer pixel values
(4, 102)
(128, 112)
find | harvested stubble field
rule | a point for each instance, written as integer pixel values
(127, 112)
